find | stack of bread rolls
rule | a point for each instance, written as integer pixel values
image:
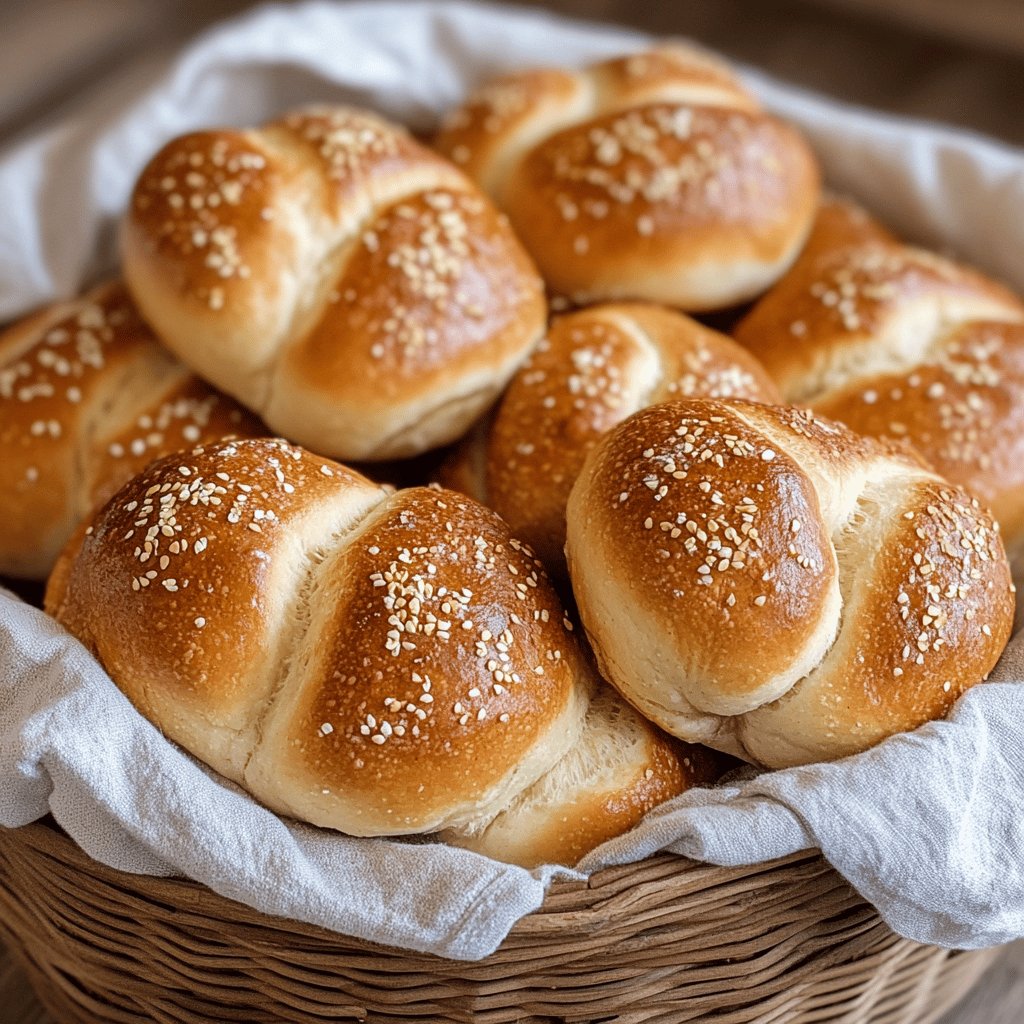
(594, 368)
(753, 580)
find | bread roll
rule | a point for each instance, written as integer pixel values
(620, 768)
(770, 584)
(654, 176)
(902, 344)
(87, 399)
(376, 662)
(595, 368)
(840, 223)
(331, 273)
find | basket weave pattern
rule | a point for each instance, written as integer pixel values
(664, 940)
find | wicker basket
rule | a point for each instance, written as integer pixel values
(664, 940)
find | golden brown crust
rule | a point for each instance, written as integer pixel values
(504, 117)
(87, 399)
(440, 662)
(695, 211)
(390, 322)
(596, 367)
(187, 210)
(184, 586)
(726, 562)
(651, 177)
(693, 509)
(620, 769)
(186, 414)
(38, 463)
(963, 409)
(332, 273)
(902, 344)
(840, 223)
(859, 310)
(671, 70)
(926, 621)
(673, 769)
(374, 662)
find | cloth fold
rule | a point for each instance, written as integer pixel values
(928, 826)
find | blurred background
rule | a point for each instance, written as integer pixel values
(959, 61)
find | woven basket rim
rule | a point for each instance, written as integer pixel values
(607, 891)
(664, 940)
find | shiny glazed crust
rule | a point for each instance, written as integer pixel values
(902, 344)
(376, 662)
(334, 275)
(88, 398)
(766, 582)
(653, 176)
(594, 368)
(621, 768)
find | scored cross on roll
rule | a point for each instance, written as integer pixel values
(900, 343)
(380, 663)
(653, 176)
(769, 583)
(350, 285)
(594, 368)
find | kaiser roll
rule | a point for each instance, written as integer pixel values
(619, 769)
(351, 286)
(900, 343)
(773, 585)
(376, 662)
(654, 176)
(594, 368)
(87, 399)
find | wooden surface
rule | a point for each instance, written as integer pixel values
(963, 70)
(996, 23)
(52, 51)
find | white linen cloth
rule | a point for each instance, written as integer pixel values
(929, 826)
